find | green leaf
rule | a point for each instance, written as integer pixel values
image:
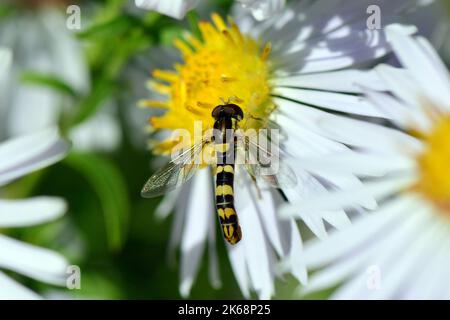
(98, 285)
(48, 80)
(170, 33)
(109, 185)
(108, 29)
(193, 19)
(90, 104)
(6, 11)
(151, 19)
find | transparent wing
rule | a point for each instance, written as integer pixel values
(176, 172)
(268, 124)
(262, 160)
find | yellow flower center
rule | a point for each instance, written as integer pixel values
(434, 164)
(224, 66)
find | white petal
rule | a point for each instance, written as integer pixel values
(35, 262)
(426, 70)
(395, 110)
(330, 100)
(256, 246)
(28, 153)
(11, 290)
(99, 133)
(26, 146)
(438, 64)
(367, 135)
(317, 57)
(238, 263)
(444, 275)
(178, 222)
(195, 233)
(306, 186)
(358, 163)
(337, 219)
(429, 281)
(46, 46)
(43, 106)
(66, 54)
(213, 267)
(356, 250)
(438, 288)
(173, 8)
(401, 83)
(21, 213)
(263, 9)
(294, 261)
(338, 81)
(410, 263)
(267, 213)
(333, 35)
(168, 203)
(385, 252)
(347, 198)
(339, 243)
(302, 142)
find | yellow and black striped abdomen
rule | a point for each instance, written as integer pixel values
(227, 117)
(225, 151)
(225, 203)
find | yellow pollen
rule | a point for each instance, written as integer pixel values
(434, 165)
(225, 65)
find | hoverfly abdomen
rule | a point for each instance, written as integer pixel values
(226, 117)
(225, 204)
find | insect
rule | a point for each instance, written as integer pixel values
(226, 141)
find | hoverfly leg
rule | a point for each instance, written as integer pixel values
(282, 194)
(258, 190)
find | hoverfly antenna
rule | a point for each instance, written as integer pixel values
(223, 100)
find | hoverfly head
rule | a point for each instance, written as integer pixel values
(228, 110)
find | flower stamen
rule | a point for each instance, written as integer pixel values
(434, 164)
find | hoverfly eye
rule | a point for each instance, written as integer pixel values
(217, 112)
(240, 114)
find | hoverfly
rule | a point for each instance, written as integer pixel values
(225, 142)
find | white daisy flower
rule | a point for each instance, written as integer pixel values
(42, 43)
(290, 78)
(401, 250)
(261, 9)
(19, 157)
